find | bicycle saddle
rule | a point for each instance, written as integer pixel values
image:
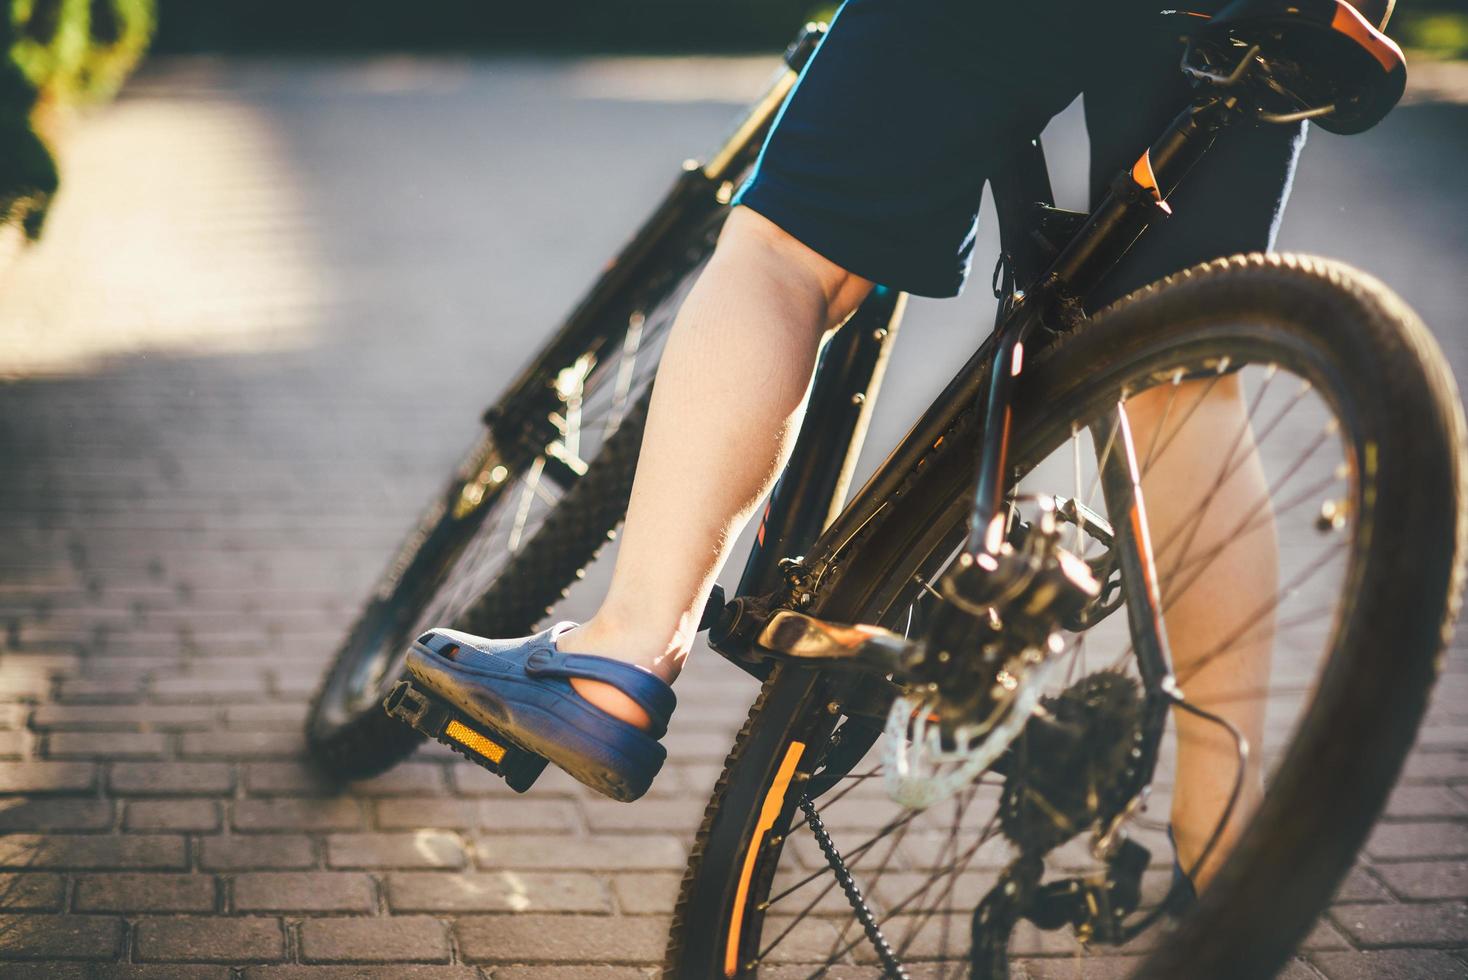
(1318, 52)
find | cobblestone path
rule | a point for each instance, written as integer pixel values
(271, 305)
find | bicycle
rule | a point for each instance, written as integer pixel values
(946, 619)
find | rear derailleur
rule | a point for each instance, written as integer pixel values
(1095, 906)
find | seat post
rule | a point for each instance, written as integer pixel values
(1018, 185)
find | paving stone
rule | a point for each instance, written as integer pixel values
(426, 849)
(32, 892)
(397, 939)
(60, 937)
(54, 814)
(171, 778)
(1359, 886)
(209, 687)
(136, 717)
(414, 814)
(1394, 964)
(290, 814)
(256, 851)
(1098, 967)
(47, 777)
(158, 971)
(672, 816)
(145, 893)
(648, 893)
(198, 815)
(114, 745)
(242, 745)
(1435, 767)
(1324, 935)
(621, 853)
(16, 744)
(542, 816)
(1415, 802)
(53, 970)
(1407, 841)
(1298, 969)
(102, 852)
(415, 779)
(287, 779)
(1427, 879)
(76, 690)
(400, 971)
(526, 939)
(214, 939)
(1404, 925)
(517, 891)
(543, 972)
(271, 716)
(312, 891)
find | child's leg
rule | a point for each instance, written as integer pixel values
(725, 411)
(1238, 582)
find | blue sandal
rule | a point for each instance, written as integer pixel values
(509, 706)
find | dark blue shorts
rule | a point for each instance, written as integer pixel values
(879, 157)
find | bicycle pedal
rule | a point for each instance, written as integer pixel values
(438, 720)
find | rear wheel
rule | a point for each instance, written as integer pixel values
(1359, 437)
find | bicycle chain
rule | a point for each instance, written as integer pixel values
(891, 968)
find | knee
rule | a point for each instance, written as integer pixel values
(751, 232)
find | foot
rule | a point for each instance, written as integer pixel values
(522, 690)
(584, 639)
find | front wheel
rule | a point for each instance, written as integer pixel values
(517, 524)
(1347, 427)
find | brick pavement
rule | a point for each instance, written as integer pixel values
(220, 432)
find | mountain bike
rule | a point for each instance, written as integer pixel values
(967, 728)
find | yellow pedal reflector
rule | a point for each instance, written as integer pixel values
(464, 735)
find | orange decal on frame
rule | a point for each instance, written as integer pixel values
(1143, 175)
(1146, 178)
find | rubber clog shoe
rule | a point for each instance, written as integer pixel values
(519, 691)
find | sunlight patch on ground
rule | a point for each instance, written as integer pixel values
(179, 229)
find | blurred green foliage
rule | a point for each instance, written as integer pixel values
(1436, 33)
(54, 52)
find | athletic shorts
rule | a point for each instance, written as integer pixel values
(878, 159)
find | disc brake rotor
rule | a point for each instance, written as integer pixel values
(925, 761)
